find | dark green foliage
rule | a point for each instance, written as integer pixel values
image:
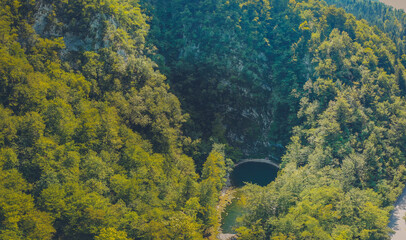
(344, 166)
(233, 66)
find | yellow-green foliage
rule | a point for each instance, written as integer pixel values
(91, 135)
(89, 150)
(213, 173)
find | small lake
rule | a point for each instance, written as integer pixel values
(250, 172)
(253, 172)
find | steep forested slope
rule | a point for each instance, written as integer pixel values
(236, 65)
(345, 164)
(90, 139)
(275, 64)
(233, 64)
(390, 20)
(94, 143)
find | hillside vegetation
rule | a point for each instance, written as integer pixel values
(95, 143)
(90, 137)
(390, 20)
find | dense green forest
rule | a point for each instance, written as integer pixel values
(390, 20)
(90, 136)
(119, 119)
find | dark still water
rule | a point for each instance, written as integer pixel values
(253, 172)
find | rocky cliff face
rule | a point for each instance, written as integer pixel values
(48, 25)
(235, 73)
(92, 28)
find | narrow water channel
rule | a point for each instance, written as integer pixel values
(230, 215)
(250, 172)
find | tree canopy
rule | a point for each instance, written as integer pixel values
(118, 118)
